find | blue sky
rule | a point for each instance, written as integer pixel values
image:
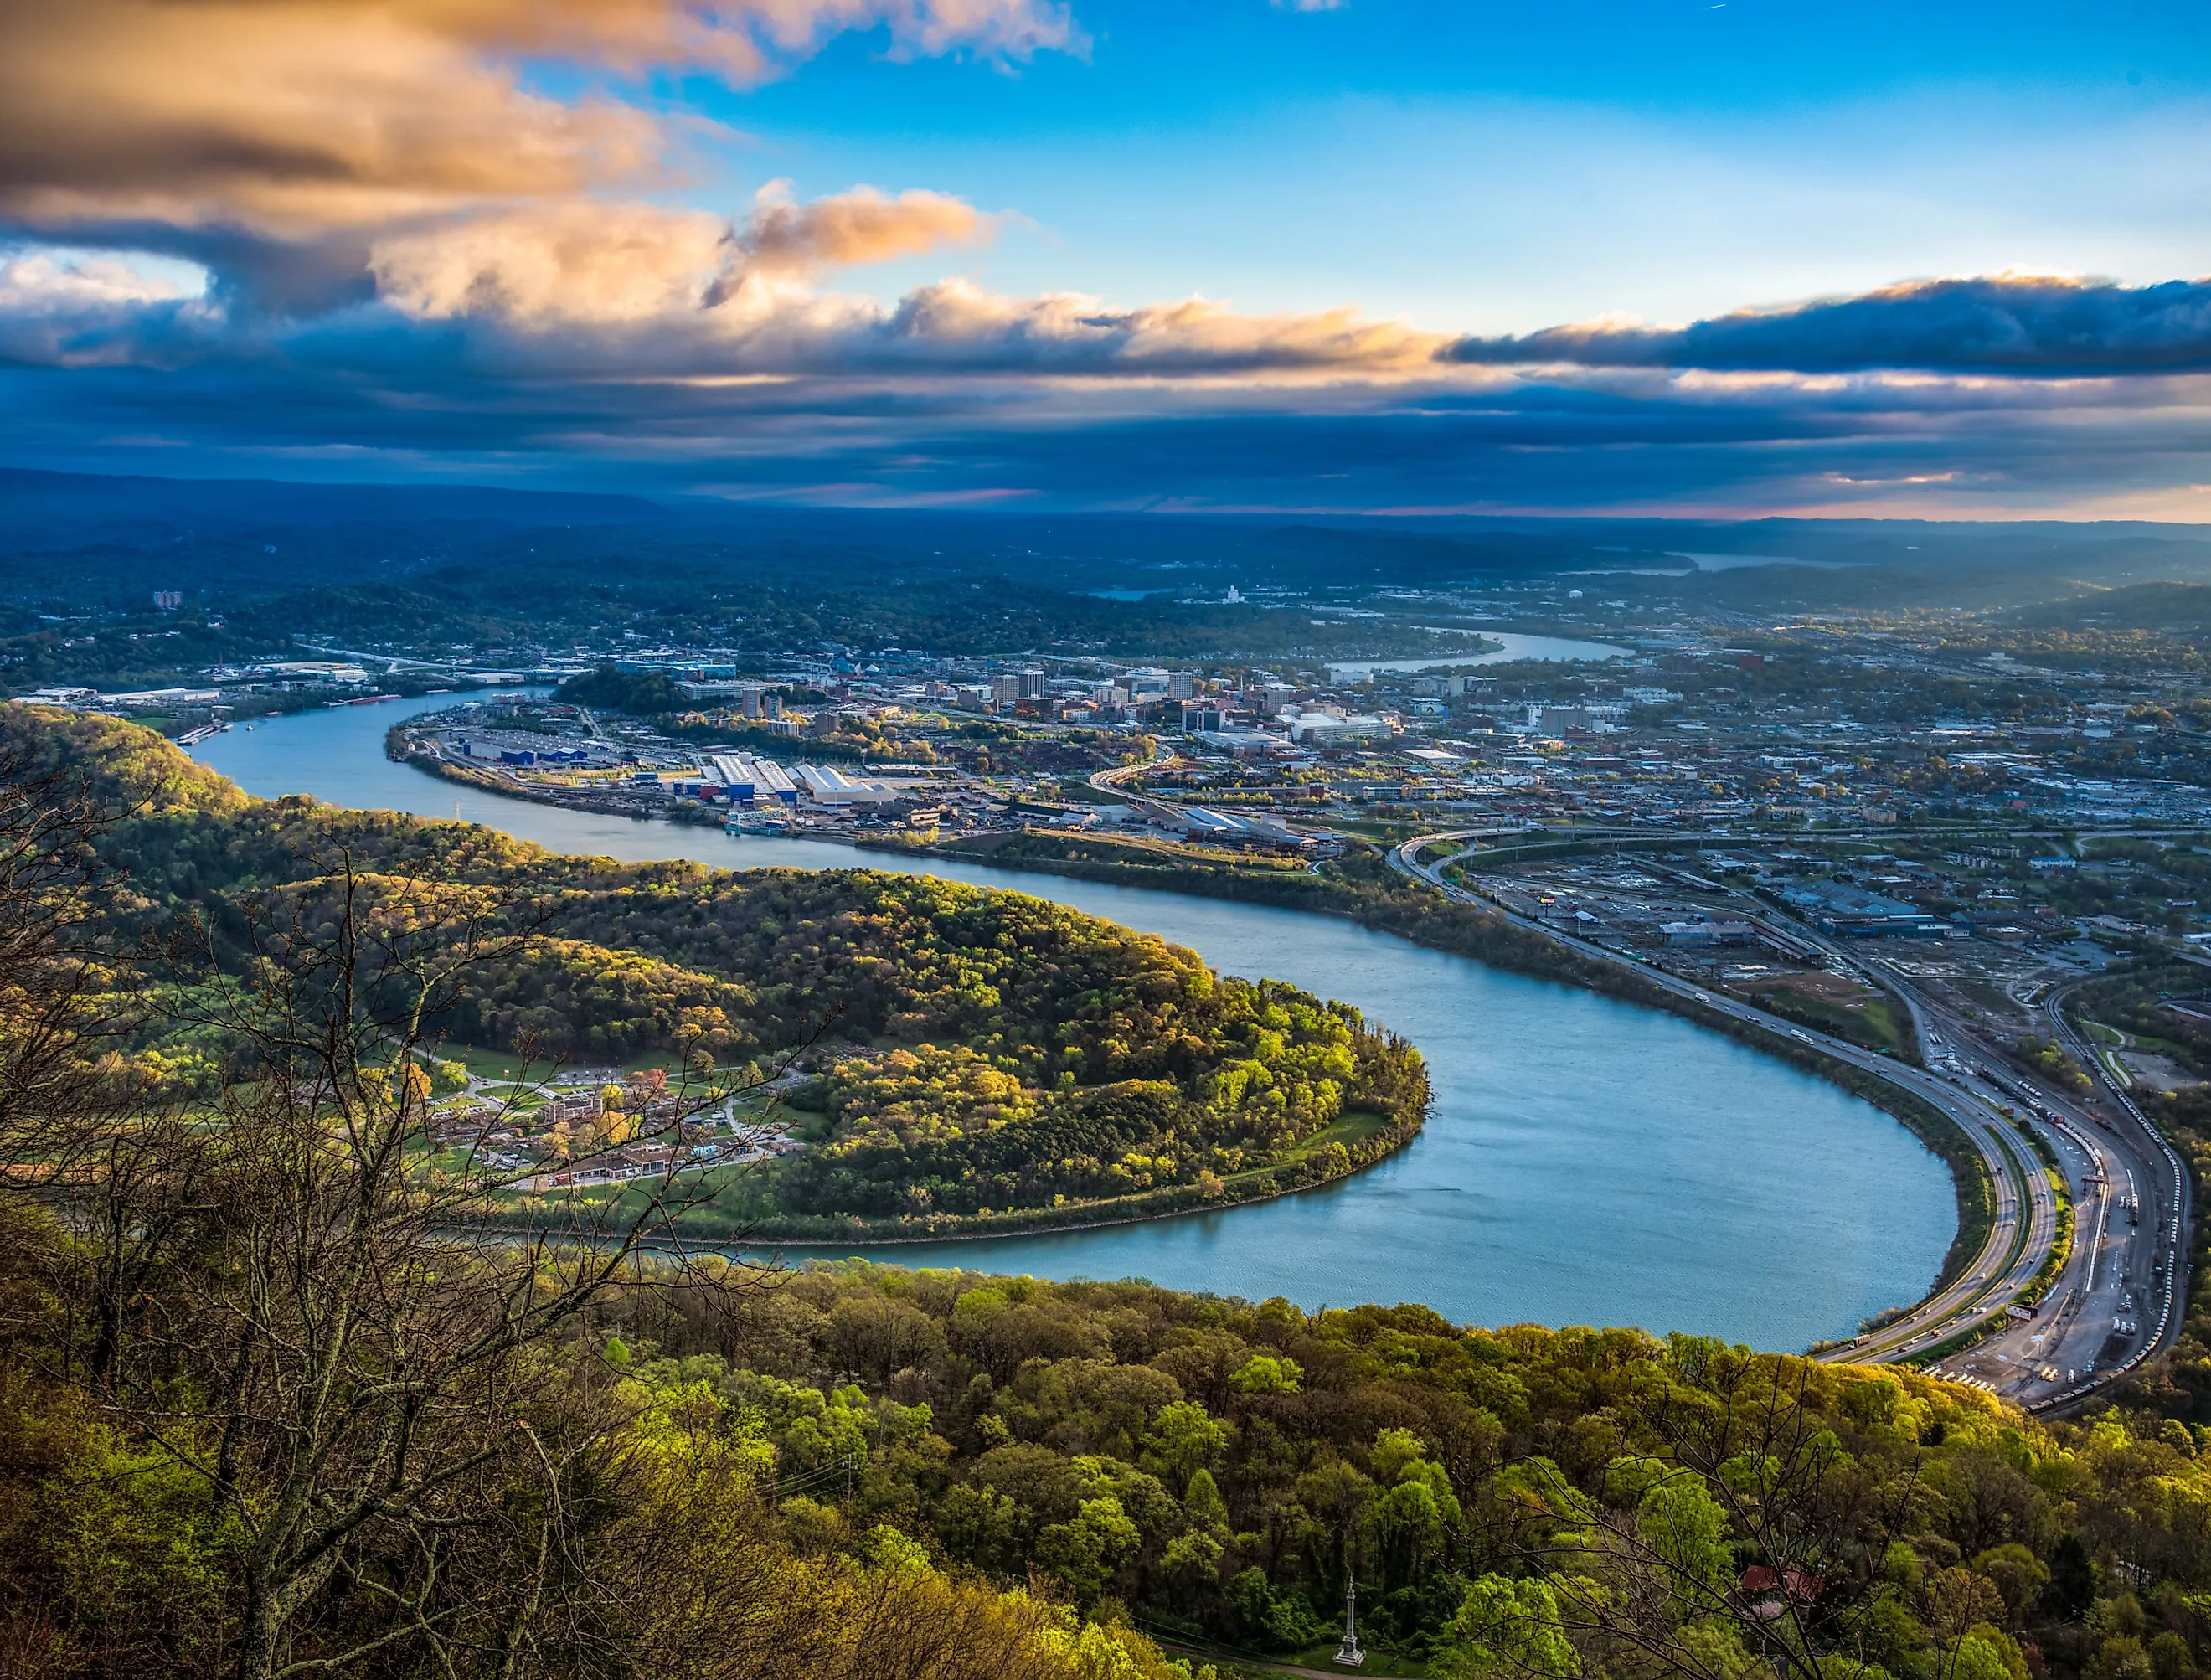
(533, 248)
(1496, 168)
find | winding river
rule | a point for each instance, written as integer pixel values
(1585, 1161)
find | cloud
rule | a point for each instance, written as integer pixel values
(564, 262)
(401, 399)
(666, 292)
(85, 308)
(861, 226)
(955, 328)
(622, 342)
(956, 324)
(2001, 324)
(633, 265)
(418, 258)
(292, 119)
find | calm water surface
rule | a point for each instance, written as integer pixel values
(1517, 647)
(1585, 1162)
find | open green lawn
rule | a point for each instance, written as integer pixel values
(1868, 1023)
(2179, 1052)
(487, 1064)
(1349, 1129)
(1353, 1127)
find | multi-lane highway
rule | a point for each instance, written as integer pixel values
(2048, 1343)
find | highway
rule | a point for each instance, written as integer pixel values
(2119, 1296)
(2124, 1299)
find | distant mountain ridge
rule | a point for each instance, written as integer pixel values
(71, 542)
(32, 497)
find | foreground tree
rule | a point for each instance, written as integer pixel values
(284, 1297)
(60, 969)
(1754, 1540)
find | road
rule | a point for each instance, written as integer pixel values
(2116, 1301)
(2118, 1297)
(2133, 1295)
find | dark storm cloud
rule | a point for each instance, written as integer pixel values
(2003, 325)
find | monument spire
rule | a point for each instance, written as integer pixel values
(1348, 1655)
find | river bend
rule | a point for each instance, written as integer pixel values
(1585, 1161)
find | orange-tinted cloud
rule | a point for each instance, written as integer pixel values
(571, 260)
(858, 226)
(574, 261)
(290, 118)
(956, 321)
(626, 290)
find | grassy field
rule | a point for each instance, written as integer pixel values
(1350, 1128)
(1864, 1017)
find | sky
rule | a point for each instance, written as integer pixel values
(1402, 257)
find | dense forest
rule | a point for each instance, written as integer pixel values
(982, 1051)
(1528, 1501)
(269, 1407)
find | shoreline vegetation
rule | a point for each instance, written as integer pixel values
(1359, 886)
(1312, 1169)
(973, 1061)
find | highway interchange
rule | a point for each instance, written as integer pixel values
(2047, 1344)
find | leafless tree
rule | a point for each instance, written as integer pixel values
(1805, 1530)
(308, 1300)
(62, 977)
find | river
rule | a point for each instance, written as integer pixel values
(1585, 1161)
(1516, 646)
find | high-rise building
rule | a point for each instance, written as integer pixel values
(1031, 686)
(167, 600)
(1181, 685)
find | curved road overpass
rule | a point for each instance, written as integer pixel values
(2024, 1225)
(2118, 1297)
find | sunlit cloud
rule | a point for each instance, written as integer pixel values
(575, 261)
(454, 235)
(857, 226)
(291, 120)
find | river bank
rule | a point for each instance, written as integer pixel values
(1322, 1160)
(1361, 888)
(1584, 1162)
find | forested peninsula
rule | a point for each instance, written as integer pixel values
(930, 1059)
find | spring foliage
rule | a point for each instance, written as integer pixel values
(994, 1050)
